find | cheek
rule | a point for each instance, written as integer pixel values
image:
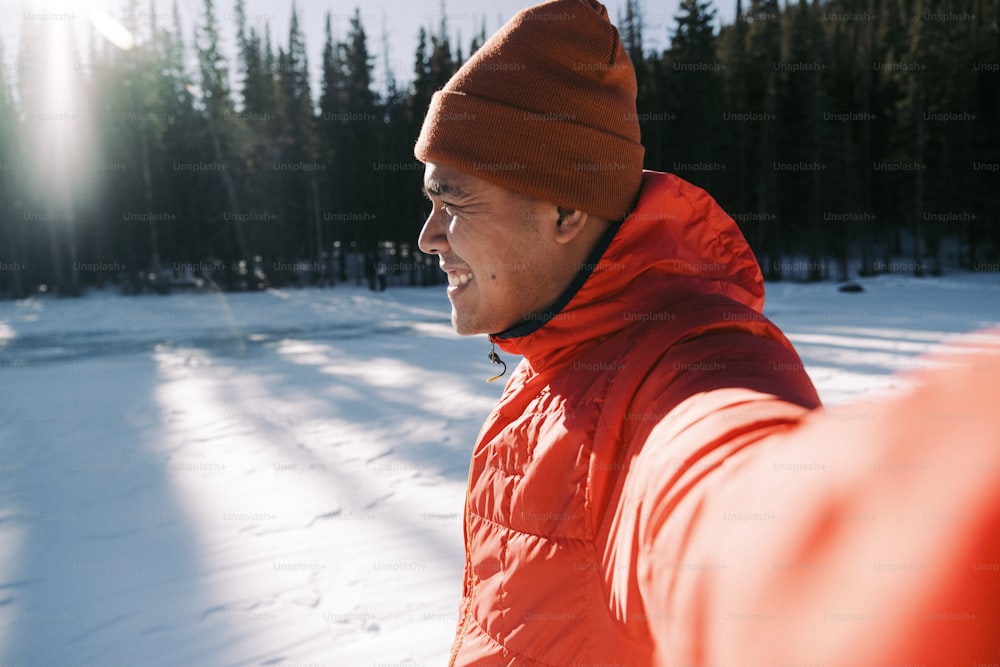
(501, 254)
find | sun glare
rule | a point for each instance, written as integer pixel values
(112, 30)
(57, 111)
(53, 108)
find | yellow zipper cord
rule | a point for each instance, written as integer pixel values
(495, 358)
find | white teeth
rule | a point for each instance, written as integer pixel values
(457, 280)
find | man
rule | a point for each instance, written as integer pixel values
(620, 508)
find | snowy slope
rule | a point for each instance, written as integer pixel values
(277, 478)
(855, 344)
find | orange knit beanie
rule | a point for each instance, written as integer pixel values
(546, 108)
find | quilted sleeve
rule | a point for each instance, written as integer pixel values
(862, 535)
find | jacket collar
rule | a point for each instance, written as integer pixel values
(675, 245)
(535, 322)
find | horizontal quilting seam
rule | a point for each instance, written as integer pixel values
(525, 532)
(507, 651)
(515, 414)
(509, 437)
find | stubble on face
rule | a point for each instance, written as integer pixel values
(490, 242)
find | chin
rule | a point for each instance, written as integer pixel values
(462, 326)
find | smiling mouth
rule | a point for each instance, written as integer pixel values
(459, 279)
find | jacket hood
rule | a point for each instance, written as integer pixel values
(677, 244)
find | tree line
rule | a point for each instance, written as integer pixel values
(848, 136)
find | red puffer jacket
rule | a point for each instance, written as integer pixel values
(655, 486)
(669, 308)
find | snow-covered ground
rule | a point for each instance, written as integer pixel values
(277, 478)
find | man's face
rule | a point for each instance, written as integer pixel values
(493, 245)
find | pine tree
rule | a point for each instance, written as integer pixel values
(359, 149)
(143, 117)
(181, 134)
(982, 244)
(260, 141)
(867, 96)
(217, 114)
(13, 280)
(422, 86)
(949, 124)
(214, 105)
(630, 27)
(478, 39)
(299, 146)
(800, 81)
(913, 130)
(359, 68)
(692, 92)
(652, 100)
(116, 190)
(763, 49)
(735, 136)
(441, 63)
(853, 92)
(333, 105)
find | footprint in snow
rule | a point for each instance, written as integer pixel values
(324, 517)
(378, 501)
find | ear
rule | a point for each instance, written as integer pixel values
(570, 224)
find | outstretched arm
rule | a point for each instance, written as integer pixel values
(861, 535)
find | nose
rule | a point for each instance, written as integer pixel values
(433, 240)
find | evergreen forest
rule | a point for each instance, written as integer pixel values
(845, 137)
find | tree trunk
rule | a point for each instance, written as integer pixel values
(147, 190)
(918, 186)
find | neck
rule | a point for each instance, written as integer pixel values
(575, 268)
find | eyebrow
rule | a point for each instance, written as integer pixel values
(438, 188)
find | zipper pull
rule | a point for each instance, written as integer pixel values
(495, 358)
